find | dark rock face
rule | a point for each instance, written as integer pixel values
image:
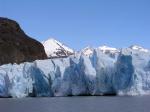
(16, 46)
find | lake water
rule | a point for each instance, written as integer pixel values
(77, 104)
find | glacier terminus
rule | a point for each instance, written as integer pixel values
(121, 72)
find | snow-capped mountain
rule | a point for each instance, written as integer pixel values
(87, 51)
(56, 49)
(139, 48)
(110, 51)
(107, 50)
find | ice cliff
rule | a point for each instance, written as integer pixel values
(126, 73)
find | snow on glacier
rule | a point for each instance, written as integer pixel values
(99, 74)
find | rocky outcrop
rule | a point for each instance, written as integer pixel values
(16, 46)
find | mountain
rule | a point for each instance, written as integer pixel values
(16, 46)
(108, 50)
(56, 49)
(88, 51)
(138, 48)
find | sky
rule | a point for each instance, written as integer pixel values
(81, 23)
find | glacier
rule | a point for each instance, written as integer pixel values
(126, 73)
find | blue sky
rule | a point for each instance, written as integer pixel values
(78, 23)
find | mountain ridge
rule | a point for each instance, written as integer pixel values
(56, 49)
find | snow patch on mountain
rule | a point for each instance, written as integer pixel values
(87, 51)
(136, 47)
(106, 49)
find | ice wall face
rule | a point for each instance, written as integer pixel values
(132, 74)
(124, 72)
(98, 74)
(104, 67)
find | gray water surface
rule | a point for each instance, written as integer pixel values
(77, 104)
